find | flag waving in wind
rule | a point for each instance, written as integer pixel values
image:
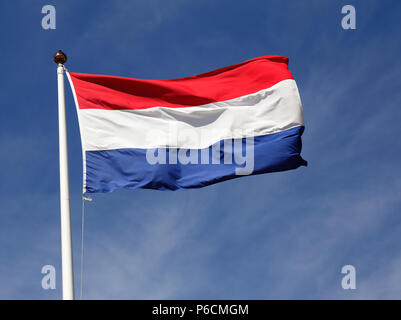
(190, 132)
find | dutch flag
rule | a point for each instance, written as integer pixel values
(191, 132)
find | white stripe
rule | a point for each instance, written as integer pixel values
(268, 111)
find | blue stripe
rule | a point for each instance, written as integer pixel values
(128, 168)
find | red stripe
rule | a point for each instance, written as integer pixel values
(118, 93)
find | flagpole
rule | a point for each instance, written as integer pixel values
(66, 243)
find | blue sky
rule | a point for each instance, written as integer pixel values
(274, 236)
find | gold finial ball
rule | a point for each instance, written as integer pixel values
(60, 57)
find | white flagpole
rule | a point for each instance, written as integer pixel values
(66, 243)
